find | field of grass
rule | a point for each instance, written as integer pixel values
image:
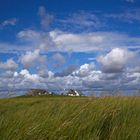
(70, 118)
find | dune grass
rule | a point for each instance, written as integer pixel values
(70, 118)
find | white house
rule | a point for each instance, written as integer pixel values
(72, 92)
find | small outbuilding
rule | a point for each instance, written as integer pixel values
(38, 92)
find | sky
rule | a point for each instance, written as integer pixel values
(78, 44)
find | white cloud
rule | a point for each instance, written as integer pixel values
(94, 41)
(32, 59)
(115, 60)
(13, 48)
(82, 20)
(84, 70)
(86, 78)
(11, 22)
(70, 42)
(15, 74)
(128, 16)
(25, 73)
(35, 39)
(29, 35)
(77, 42)
(10, 64)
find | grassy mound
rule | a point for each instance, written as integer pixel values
(70, 118)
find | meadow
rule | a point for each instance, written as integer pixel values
(70, 118)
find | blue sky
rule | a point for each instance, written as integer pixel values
(85, 45)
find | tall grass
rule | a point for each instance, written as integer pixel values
(70, 118)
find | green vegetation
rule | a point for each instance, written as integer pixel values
(70, 118)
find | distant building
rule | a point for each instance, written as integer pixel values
(38, 92)
(72, 92)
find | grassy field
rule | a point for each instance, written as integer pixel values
(70, 118)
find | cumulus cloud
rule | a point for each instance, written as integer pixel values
(24, 80)
(25, 73)
(86, 79)
(32, 59)
(10, 64)
(46, 19)
(84, 70)
(116, 60)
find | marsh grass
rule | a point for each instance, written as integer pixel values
(70, 118)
